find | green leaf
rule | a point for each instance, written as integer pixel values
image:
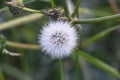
(98, 63)
(100, 35)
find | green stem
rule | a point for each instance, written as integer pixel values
(81, 21)
(60, 70)
(96, 20)
(36, 47)
(19, 21)
(99, 35)
(31, 10)
(99, 64)
(76, 9)
(65, 8)
(84, 68)
(21, 45)
(24, 9)
(77, 67)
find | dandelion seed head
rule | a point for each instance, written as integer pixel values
(58, 39)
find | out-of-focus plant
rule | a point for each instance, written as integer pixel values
(62, 13)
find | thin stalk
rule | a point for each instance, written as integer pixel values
(103, 66)
(77, 67)
(36, 47)
(31, 10)
(19, 21)
(99, 35)
(82, 66)
(24, 9)
(76, 9)
(21, 45)
(60, 70)
(67, 13)
(96, 20)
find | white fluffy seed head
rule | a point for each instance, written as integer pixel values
(58, 39)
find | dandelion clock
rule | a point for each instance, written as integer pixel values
(58, 39)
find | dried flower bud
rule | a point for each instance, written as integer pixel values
(15, 6)
(55, 14)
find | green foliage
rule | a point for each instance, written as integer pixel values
(21, 33)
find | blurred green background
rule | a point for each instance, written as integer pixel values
(34, 65)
